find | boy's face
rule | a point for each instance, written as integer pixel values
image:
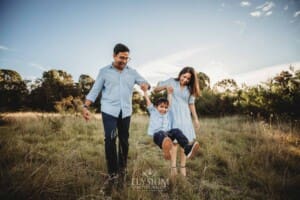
(162, 108)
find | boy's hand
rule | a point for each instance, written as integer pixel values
(170, 90)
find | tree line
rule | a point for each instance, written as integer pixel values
(56, 91)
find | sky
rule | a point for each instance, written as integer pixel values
(245, 40)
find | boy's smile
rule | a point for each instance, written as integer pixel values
(162, 108)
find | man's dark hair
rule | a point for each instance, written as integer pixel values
(120, 48)
(160, 101)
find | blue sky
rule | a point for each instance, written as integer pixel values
(221, 38)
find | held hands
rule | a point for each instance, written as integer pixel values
(144, 87)
(170, 89)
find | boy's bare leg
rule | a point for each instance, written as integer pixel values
(182, 162)
(166, 147)
(173, 159)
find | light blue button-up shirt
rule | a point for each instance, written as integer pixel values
(158, 122)
(117, 88)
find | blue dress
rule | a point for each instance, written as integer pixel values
(179, 110)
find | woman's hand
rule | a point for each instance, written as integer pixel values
(197, 124)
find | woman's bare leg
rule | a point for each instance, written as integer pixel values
(173, 159)
(182, 162)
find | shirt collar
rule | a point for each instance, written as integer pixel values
(112, 66)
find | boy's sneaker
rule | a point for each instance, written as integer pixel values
(166, 147)
(191, 149)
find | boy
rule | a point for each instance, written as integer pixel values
(160, 127)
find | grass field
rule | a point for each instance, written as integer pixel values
(45, 156)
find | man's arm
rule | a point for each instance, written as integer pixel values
(96, 89)
(92, 95)
(141, 81)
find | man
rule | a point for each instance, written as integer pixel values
(116, 82)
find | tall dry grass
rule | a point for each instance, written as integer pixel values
(44, 156)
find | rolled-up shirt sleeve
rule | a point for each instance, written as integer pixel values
(97, 87)
(139, 79)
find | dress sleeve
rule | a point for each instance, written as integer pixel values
(166, 82)
(192, 99)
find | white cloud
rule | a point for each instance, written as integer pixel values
(216, 71)
(262, 75)
(263, 9)
(4, 48)
(38, 66)
(245, 4)
(169, 66)
(266, 6)
(255, 14)
(268, 13)
(286, 7)
(297, 13)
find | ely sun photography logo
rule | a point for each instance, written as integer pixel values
(149, 180)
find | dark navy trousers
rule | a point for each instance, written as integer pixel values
(173, 134)
(116, 127)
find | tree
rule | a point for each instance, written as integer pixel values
(204, 81)
(85, 83)
(13, 90)
(56, 85)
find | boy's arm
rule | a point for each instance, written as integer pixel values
(148, 102)
(170, 92)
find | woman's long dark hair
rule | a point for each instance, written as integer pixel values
(193, 85)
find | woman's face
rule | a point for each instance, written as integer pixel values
(184, 79)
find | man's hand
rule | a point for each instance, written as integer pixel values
(86, 114)
(144, 86)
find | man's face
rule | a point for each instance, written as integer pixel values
(162, 108)
(121, 59)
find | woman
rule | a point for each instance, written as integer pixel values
(186, 89)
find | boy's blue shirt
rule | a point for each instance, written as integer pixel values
(158, 122)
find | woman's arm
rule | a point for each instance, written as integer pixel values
(159, 88)
(194, 114)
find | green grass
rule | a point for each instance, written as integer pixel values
(62, 157)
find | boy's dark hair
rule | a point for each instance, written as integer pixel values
(120, 48)
(160, 101)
